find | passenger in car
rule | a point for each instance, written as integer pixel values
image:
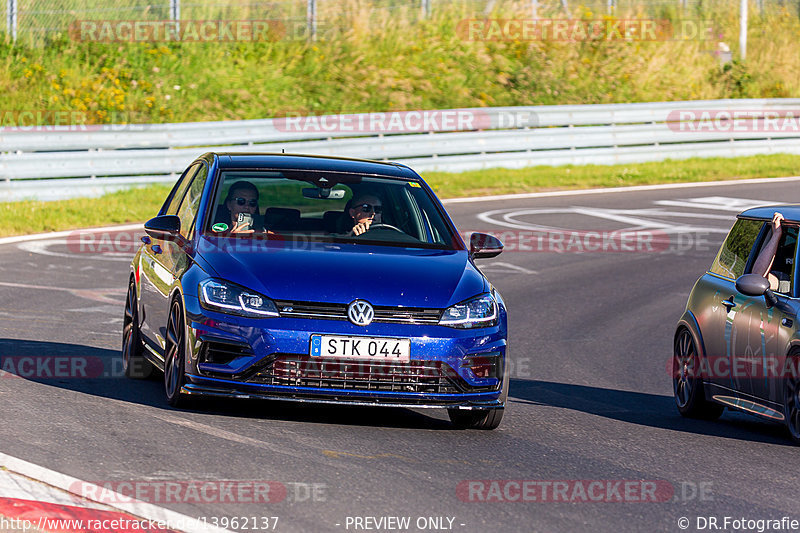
(763, 263)
(242, 198)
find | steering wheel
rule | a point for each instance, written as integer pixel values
(384, 226)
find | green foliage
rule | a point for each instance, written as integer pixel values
(735, 79)
(392, 62)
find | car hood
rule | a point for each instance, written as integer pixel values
(341, 273)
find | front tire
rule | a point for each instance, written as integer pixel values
(687, 383)
(174, 357)
(134, 363)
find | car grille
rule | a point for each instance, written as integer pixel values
(397, 315)
(306, 371)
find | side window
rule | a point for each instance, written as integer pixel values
(732, 257)
(191, 202)
(180, 190)
(783, 264)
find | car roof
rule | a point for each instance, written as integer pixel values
(790, 212)
(233, 160)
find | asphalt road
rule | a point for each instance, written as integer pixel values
(591, 398)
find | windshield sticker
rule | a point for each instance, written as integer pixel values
(219, 226)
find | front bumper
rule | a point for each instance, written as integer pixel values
(334, 397)
(260, 344)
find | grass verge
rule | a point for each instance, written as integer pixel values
(137, 205)
(383, 60)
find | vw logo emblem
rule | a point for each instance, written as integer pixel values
(360, 313)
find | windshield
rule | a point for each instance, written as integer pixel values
(325, 206)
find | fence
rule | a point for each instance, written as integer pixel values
(34, 19)
(50, 165)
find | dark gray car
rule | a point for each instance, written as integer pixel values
(737, 344)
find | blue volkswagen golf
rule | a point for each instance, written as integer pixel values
(316, 279)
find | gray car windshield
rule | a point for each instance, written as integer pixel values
(309, 205)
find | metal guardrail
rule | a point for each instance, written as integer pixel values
(89, 162)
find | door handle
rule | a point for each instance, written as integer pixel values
(156, 249)
(729, 303)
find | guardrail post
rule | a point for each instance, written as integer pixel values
(535, 9)
(610, 6)
(743, 30)
(311, 19)
(426, 8)
(175, 9)
(565, 6)
(11, 11)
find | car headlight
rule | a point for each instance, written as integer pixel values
(480, 312)
(227, 297)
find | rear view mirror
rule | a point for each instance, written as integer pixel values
(484, 246)
(321, 193)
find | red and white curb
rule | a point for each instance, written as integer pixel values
(48, 501)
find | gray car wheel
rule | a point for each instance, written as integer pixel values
(791, 397)
(687, 383)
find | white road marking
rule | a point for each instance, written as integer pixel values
(67, 233)
(612, 190)
(721, 203)
(41, 247)
(98, 295)
(640, 219)
(226, 435)
(498, 267)
(22, 488)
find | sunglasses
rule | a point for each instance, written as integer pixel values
(367, 208)
(243, 201)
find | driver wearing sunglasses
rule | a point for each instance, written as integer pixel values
(242, 198)
(365, 211)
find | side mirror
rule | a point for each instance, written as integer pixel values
(755, 285)
(484, 246)
(163, 227)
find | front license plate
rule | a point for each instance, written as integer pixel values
(371, 348)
